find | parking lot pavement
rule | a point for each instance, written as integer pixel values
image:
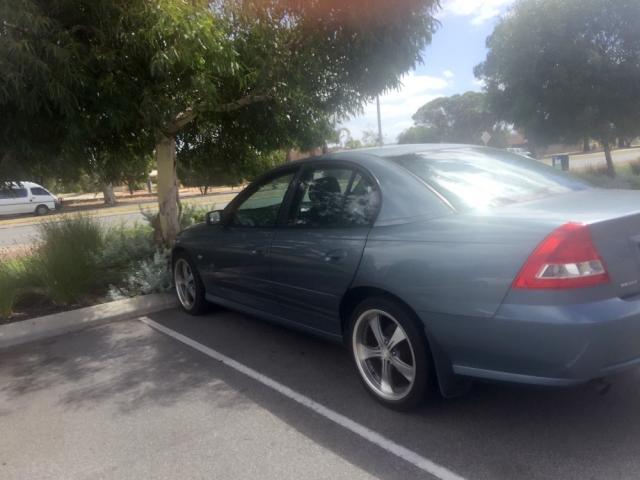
(126, 401)
(122, 401)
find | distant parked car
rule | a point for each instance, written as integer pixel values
(520, 151)
(433, 263)
(26, 197)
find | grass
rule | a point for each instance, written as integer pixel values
(65, 261)
(77, 262)
(16, 279)
(627, 176)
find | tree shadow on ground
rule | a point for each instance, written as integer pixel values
(124, 362)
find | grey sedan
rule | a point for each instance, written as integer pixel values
(434, 264)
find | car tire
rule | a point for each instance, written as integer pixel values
(391, 354)
(188, 285)
(41, 210)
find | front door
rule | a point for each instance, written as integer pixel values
(236, 265)
(316, 253)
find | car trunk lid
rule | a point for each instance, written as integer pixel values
(613, 217)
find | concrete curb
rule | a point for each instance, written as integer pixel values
(64, 322)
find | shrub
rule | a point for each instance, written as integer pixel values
(13, 281)
(65, 260)
(123, 247)
(152, 275)
(635, 167)
(191, 214)
(78, 262)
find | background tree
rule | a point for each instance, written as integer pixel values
(86, 76)
(567, 69)
(456, 119)
(370, 138)
(420, 134)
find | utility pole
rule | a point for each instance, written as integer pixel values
(379, 121)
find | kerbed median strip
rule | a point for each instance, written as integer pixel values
(25, 331)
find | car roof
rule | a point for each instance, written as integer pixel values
(395, 150)
(20, 184)
(366, 155)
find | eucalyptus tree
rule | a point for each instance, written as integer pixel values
(176, 76)
(567, 69)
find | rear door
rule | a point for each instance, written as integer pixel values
(15, 200)
(317, 250)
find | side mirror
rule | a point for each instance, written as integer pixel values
(214, 218)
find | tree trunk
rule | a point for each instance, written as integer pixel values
(586, 146)
(168, 193)
(611, 171)
(109, 196)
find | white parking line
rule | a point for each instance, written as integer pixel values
(390, 446)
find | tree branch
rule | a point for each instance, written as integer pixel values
(190, 113)
(181, 121)
(241, 103)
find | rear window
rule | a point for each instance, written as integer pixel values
(478, 178)
(8, 193)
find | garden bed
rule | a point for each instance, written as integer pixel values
(77, 263)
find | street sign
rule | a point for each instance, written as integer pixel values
(486, 136)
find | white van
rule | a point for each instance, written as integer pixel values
(26, 197)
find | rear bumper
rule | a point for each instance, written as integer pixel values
(548, 345)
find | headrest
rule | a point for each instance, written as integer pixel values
(323, 188)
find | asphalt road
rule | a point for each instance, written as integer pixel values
(16, 232)
(27, 234)
(126, 401)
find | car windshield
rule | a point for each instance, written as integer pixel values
(477, 178)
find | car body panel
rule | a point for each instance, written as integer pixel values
(460, 265)
(238, 266)
(312, 269)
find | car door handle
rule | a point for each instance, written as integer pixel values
(335, 256)
(258, 251)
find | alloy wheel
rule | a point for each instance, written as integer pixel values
(185, 281)
(384, 354)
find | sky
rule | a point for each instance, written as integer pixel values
(457, 47)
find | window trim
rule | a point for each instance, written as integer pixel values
(232, 207)
(330, 163)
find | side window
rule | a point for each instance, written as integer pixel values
(362, 202)
(39, 191)
(13, 193)
(334, 197)
(261, 208)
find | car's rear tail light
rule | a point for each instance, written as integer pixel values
(565, 259)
